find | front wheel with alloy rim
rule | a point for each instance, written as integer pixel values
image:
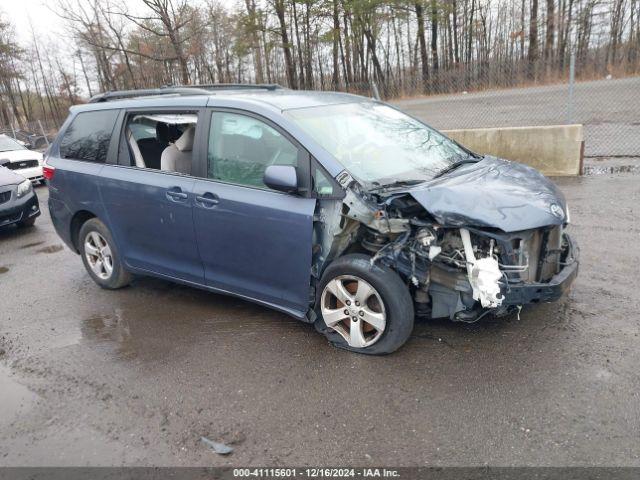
(364, 308)
(100, 256)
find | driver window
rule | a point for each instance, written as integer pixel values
(242, 147)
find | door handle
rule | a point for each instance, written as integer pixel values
(176, 194)
(207, 200)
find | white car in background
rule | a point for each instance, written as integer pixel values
(23, 161)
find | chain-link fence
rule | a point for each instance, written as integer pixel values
(511, 96)
(608, 109)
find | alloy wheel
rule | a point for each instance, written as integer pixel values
(98, 255)
(353, 308)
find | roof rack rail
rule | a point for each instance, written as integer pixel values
(233, 86)
(180, 90)
(149, 92)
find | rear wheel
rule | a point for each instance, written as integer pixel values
(364, 308)
(100, 257)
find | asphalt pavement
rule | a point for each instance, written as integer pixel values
(138, 376)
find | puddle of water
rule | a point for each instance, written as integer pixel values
(611, 169)
(50, 249)
(15, 398)
(111, 330)
(4, 269)
(108, 333)
(61, 338)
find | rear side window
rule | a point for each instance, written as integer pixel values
(88, 136)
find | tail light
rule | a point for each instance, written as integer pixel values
(47, 170)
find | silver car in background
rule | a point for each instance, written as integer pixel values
(21, 160)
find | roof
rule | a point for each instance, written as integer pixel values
(276, 99)
(285, 99)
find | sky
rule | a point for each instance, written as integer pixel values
(43, 17)
(18, 13)
(51, 30)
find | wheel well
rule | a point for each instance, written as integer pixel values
(76, 224)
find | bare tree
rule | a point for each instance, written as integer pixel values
(424, 58)
(167, 18)
(532, 56)
(279, 8)
(550, 31)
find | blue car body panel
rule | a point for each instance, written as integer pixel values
(75, 190)
(256, 243)
(153, 231)
(493, 193)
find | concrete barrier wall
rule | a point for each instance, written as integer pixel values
(554, 150)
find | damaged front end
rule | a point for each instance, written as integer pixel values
(480, 271)
(493, 259)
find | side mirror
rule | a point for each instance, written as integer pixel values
(4, 162)
(283, 178)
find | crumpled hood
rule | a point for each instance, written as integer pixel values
(493, 193)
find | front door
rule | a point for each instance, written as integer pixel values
(253, 241)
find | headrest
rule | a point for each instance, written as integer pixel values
(174, 132)
(162, 132)
(185, 142)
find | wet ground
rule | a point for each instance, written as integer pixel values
(137, 376)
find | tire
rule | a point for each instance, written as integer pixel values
(110, 273)
(396, 313)
(29, 222)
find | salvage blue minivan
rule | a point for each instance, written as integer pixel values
(333, 208)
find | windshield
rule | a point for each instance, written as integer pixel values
(8, 144)
(377, 144)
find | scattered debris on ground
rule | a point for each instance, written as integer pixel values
(219, 448)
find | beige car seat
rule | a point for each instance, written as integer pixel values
(177, 157)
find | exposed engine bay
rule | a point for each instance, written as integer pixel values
(454, 267)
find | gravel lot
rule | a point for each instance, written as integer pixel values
(137, 376)
(607, 108)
